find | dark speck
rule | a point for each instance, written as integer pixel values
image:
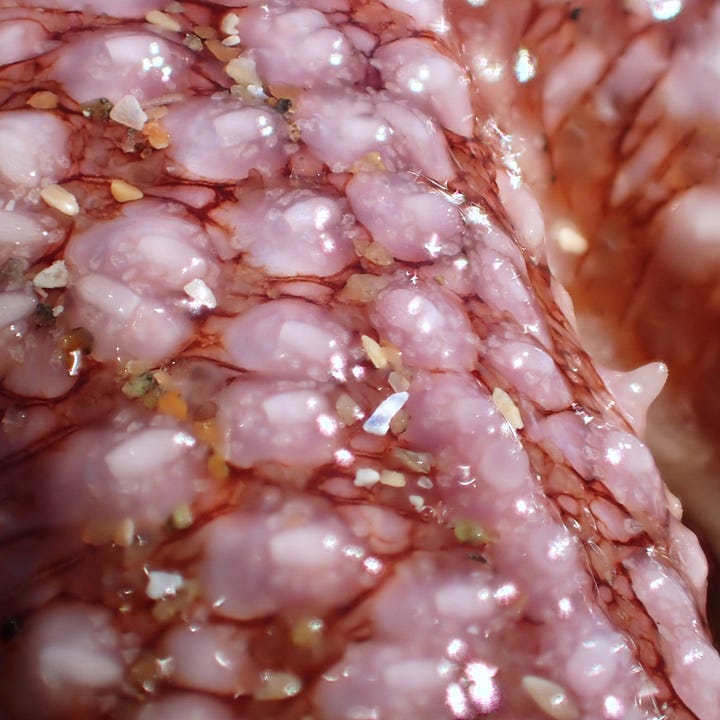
(283, 105)
(9, 629)
(575, 13)
(97, 109)
(44, 315)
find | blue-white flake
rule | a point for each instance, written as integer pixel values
(379, 422)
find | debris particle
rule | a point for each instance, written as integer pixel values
(44, 315)
(348, 410)
(163, 584)
(392, 478)
(201, 294)
(78, 338)
(43, 100)
(157, 135)
(416, 461)
(217, 467)
(247, 92)
(366, 477)
(294, 132)
(374, 352)
(379, 422)
(417, 501)
(193, 42)
(370, 162)
(570, 239)
(283, 105)
(60, 199)
(125, 192)
(398, 425)
(145, 672)
(139, 386)
(378, 255)
(12, 273)
(363, 288)
(124, 533)
(220, 51)
(394, 357)
(398, 382)
(551, 698)
(470, 532)
(127, 111)
(242, 70)
(205, 32)
(97, 109)
(307, 632)
(425, 483)
(155, 108)
(58, 310)
(175, 8)
(53, 276)
(229, 24)
(169, 607)
(172, 404)
(163, 21)
(278, 686)
(182, 517)
(206, 431)
(231, 41)
(508, 408)
(164, 379)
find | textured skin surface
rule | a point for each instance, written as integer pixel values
(297, 422)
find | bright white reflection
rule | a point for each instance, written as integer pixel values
(321, 218)
(613, 707)
(222, 660)
(455, 648)
(482, 689)
(382, 134)
(456, 701)
(558, 547)
(417, 82)
(326, 425)
(433, 246)
(156, 61)
(505, 594)
(487, 69)
(373, 565)
(266, 128)
(565, 607)
(522, 507)
(665, 9)
(344, 457)
(440, 26)
(525, 65)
